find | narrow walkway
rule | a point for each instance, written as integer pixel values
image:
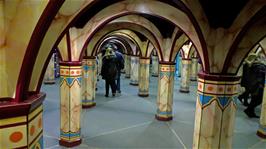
(127, 121)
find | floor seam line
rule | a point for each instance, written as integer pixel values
(177, 136)
(118, 130)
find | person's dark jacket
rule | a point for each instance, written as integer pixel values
(109, 68)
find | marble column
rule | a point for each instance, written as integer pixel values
(185, 76)
(127, 66)
(262, 125)
(123, 70)
(89, 82)
(165, 92)
(134, 75)
(70, 106)
(144, 77)
(99, 65)
(49, 74)
(215, 111)
(179, 66)
(194, 69)
(155, 66)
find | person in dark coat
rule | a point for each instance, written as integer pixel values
(256, 87)
(109, 70)
(120, 66)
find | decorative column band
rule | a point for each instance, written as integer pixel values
(215, 111)
(70, 110)
(262, 125)
(165, 92)
(144, 75)
(88, 84)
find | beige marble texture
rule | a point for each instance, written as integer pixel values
(49, 74)
(215, 114)
(144, 76)
(155, 66)
(89, 81)
(165, 90)
(134, 74)
(70, 96)
(185, 75)
(263, 113)
(194, 69)
(127, 65)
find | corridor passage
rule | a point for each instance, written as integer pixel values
(127, 120)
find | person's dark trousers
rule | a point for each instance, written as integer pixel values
(113, 87)
(256, 99)
(118, 83)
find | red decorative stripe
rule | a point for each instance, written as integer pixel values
(211, 77)
(167, 63)
(75, 63)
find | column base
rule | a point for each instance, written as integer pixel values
(262, 132)
(159, 118)
(134, 84)
(127, 77)
(184, 91)
(49, 82)
(88, 106)
(143, 95)
(69, 144)
(153, 75)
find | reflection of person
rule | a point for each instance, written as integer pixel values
(109, 70)
(120, 66)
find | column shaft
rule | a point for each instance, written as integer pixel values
(179, 66)
(262, 126)
(194, 69)
(165, 92)
(134, 75)
(144, 77)
(155, 66)
(70, 111)
(185, 75)
(215, 111)
(89, 82)
(127, 66)
(49, 74)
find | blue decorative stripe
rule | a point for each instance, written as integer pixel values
(69, 81)
(166, 113)
(204, 100)
(87, 67)
(222, 101)
(167, 74)
(70, 134)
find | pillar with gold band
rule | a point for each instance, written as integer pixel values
(194, 69)
(127, 66)
(155, 66)
(185, 75)
(215, 111)
(144, 76)
(165, 91)
(70, 96)
(89, 82)
(262, 125)
(49, 74)
(134, 75)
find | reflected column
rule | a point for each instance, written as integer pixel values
(185, 75)
(134, 75)
(165, 91)
(144, 77)
(89, 82)
(215, 111)
(70, 104)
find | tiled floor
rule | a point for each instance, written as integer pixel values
(127, 121)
